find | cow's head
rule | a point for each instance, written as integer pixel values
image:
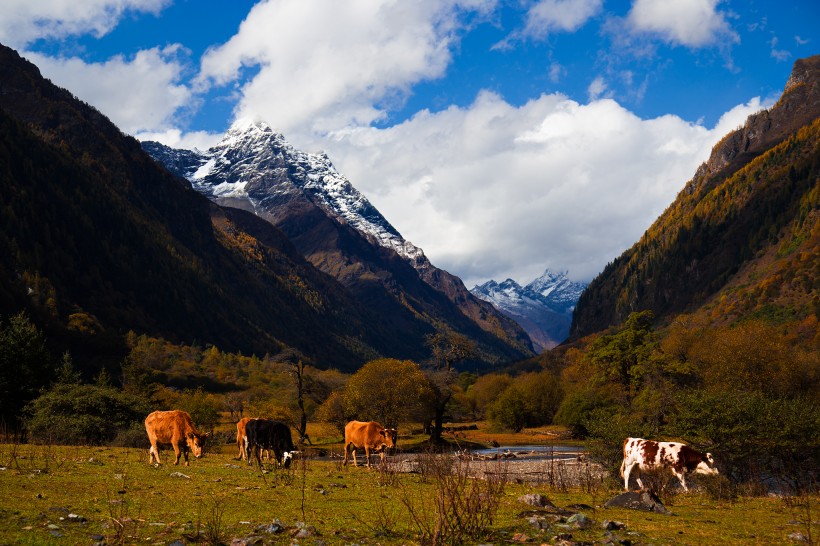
(195, 442)
(287, 458)
(389, 435)
(707, 466)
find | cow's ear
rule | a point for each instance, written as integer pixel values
(383, 432)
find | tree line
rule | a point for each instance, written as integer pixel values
(746, 391)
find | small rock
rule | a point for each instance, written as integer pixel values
(97, 538)
(76, 518)
(52, 526)
(610, 525)
(562, 536)
(273, 528)
(538, 523)
(304, 531)
(177, 543)
(520, 537)
(247, 541)
(536, 499)
(798, 537)
(580, 521)
(579, 507)
(56, 534)
(180, 475)
(92, 460)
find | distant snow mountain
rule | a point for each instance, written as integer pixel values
(340, 232)
(543, 307)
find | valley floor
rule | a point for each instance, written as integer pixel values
(85, 495)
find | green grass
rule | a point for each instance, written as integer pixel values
(126, 500)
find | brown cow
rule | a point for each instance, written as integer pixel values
(173, 427)
(370, 436)
(240, 436)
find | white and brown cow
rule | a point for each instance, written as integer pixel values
(174, 427)
(369, 435)
(676, 456)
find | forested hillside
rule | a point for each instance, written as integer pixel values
(742, 239)
(97, 240)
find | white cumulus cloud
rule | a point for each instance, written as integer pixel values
(25, 20)
(559, 15)
(138, 94)
(345, 67)
(691, 23)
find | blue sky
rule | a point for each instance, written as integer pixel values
(503, 137)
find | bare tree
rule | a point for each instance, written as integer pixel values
(448, 349)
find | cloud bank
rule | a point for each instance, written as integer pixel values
(497, 191)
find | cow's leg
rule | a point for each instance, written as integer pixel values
(247, 450)
(682, 478)
(185, 453)
(256, 452)
(627, 471)
(153, 453)
(347, 453)
(177, 453)
(367, 455)
(638, 477)
(353, 450)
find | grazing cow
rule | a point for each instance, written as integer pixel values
(370, 436)
(268, 434)
(240, 436)
(679, 458)
(173, 427)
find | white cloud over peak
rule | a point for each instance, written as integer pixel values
(498, 191)
(347, 65)
(691, 23)
(137, 94)
(25, 20)
(559, 15)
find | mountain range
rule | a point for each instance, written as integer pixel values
(742, 239)
(543, 307)
(98, 239)
(340, 232)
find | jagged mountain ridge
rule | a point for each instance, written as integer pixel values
(741, 238)
(543, 307)
(237, 167)
(338, 230)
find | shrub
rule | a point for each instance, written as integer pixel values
(83, 414)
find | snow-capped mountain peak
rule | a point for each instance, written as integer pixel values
(255, 163)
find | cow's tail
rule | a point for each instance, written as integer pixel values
(623, 466)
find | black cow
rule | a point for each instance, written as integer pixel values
(268, 434)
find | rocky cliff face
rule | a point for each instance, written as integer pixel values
(799, 104)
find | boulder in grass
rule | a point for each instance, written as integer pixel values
(638, 500)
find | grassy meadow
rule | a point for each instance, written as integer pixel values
(85, 495)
